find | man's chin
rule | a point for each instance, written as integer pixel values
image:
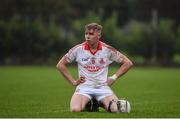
(89, 42)
(88, 39)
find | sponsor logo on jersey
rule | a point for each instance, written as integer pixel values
(85, 59)
(101, 61)
(93, 68)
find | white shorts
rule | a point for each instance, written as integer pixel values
(98, 93)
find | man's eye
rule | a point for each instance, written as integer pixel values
(89, 33)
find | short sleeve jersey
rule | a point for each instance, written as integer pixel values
(93, 65)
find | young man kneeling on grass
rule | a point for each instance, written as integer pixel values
(93, 58)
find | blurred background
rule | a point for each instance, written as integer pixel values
(35, 34)
(39, 32)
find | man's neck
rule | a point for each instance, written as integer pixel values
(93, 46)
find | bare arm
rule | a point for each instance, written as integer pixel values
(126, 65)
(62, 67)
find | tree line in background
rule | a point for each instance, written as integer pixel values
(36, 42)
(40, 32)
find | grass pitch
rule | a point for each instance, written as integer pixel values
(42, 92)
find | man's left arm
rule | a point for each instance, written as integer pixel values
(126, 65)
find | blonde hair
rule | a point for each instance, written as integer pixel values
(94, 26)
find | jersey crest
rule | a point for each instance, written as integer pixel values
(93, 60)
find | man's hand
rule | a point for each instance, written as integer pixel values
(110, 81)
(77, 82)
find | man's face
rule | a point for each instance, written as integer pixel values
(92, 36)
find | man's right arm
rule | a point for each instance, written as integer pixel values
(62, 67)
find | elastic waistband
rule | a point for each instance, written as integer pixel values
(93, 85)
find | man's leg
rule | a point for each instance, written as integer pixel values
(78, 102)
(105, 101)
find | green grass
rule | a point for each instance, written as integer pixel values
(42, 92)
(177, 58)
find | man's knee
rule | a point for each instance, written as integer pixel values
(76, 109)
(112, 107)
